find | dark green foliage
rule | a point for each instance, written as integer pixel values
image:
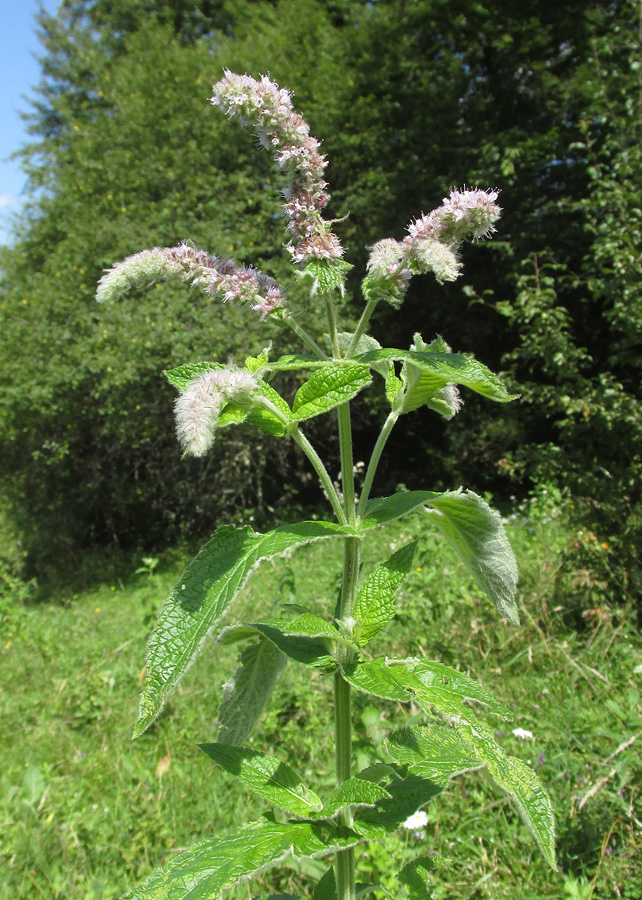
(540, 99)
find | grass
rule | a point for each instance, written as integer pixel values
(85, 813)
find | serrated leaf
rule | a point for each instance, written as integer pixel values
(393, 385)
(327, 275)
(477, 533)
(309, 625)
(472, 528)
(516, 778)
(267, 776)
(181, 376)
(204, 871)
(353, 792)
(447, 368)
(307, 650)
(246, 694)
(407, 795)
(431, 683)
(254, 363)
(375, 606)
(450, 683)
(207, 588)
(327, 387)
(437, 752)
(374, 677)
(414, 876)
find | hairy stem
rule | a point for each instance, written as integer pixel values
(361, 326)
(307, 339)
(384, 434)
(301, 440)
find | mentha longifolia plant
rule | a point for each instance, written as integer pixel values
(419, 759)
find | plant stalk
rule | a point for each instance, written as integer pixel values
(384, 434)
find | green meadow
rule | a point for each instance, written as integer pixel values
(85, 812)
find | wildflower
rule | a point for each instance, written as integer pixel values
(416, 823)
(198, 408)
(522, 734)
(463, 215)
(267, 107)
(215, 275)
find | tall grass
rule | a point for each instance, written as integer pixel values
(84, 812)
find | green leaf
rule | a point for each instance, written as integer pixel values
(449, 683)
(365, 344)
(437, 752)
(254, 364)
(326, 887)
(267, 776)
(303, 649)
(327, 387)
(385, 509)
(376, 678)
(375, 606)
(393, 385)
(181, 376)
(353, 792)
(430, 683)
(414, 876)
(477, 533)
(327, 275)
(309, 625)
(208, 586)
(209, 867)
(447, 368)
(245, 696)
(407, 795)
(264, 418)
(518, 780)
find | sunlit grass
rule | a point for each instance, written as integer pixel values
(85, 812)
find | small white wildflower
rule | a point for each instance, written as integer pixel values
(198, 408)
(416, 821)
(522, 734)
(447, 401)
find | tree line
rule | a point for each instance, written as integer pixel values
(542, 100)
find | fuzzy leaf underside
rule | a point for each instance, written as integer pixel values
(477, 533)
(327, 387)
(375, 606)
(267, 776)
(247, 693)
(208, 586)
(447, 368)
(471, 527)
(210, 866)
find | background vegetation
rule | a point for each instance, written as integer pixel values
(542, 99)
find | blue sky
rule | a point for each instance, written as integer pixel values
(19, 72)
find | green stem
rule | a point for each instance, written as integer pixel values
(361, 326)
(309, 342)
(332, 324)
(384, 434)
(301, 440)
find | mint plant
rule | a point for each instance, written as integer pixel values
(419, 759)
